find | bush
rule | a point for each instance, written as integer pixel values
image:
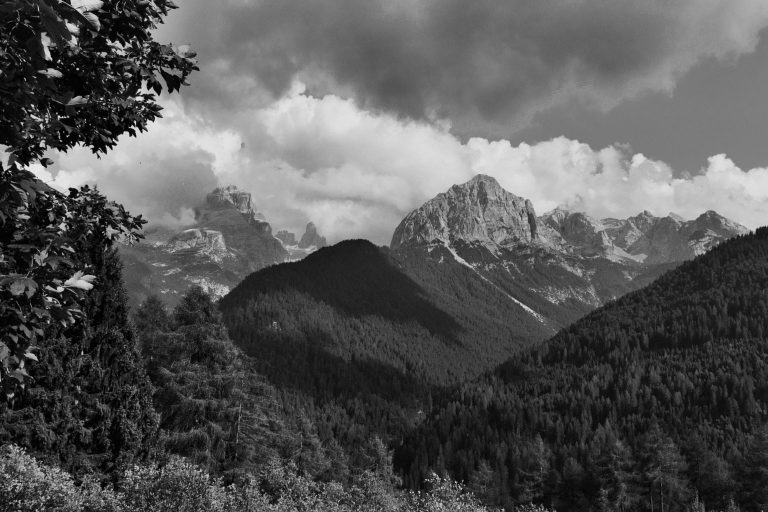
(27, 485)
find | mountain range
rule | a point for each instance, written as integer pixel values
(562, 264)
(470, 277)
(228, 240)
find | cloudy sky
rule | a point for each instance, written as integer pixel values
(351, 113)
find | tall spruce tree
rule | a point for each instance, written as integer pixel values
(89, 405)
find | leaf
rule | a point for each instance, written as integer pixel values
(80, 281)
(93, 20)
(30, 355)
(21, 285)
(77, 101)
(87, 5)
(45, 44)
(186, 51)
(20, 374)
(51, 73)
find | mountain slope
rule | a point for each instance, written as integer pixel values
(563, 264)
(672, 377)
(228, 240)
(438, 323)
(364, 337)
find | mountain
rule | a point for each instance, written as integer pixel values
(365, 335)
(360, 303)
(562, 264)
(311, 238)
(228, 240)
(310, 241)
(653, 397)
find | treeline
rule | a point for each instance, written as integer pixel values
(660, 396)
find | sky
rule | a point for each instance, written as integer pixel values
(351, 113)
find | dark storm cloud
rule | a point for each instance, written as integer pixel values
(483, 64)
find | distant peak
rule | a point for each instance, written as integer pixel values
(312, 238)
(483, 179)
(674, 216)
(230, 195)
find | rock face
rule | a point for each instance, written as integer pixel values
(311, 238)
(229, 240)
(286, 237)
(642, 238)
(226, 197)
(559, 265)
(479, 210)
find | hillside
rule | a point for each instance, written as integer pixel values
(364, 305)
(364, 336)
(655, 396)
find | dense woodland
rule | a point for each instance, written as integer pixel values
(661, 395)
(363, 339)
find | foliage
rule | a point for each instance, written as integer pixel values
(27, 485)
(357, 340)
(89, 406)
(80, 72)
(652, 398)
(44, 238)
(215, 409)
(72, 73)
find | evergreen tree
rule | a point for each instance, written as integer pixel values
(90, 405)
(754, 475)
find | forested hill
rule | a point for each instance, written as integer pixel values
(357, 303)
(720, 295)
(363, 336)
(656, 396)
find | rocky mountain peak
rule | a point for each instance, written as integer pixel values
(286, 237)
(311, 238)
(478, 211)
(225, 197)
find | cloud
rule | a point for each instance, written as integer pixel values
(485, 66)
(160, 174)
(357, 174)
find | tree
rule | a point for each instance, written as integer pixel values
(617, 477)
(664, 469)
(484, 483)
(90, 405)
(534, 470)
(196, 308)
(151, 316)
(754, 475)
(72, 72)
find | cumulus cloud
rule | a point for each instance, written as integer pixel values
(486, 66)
(357, 174)
(160, 174)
